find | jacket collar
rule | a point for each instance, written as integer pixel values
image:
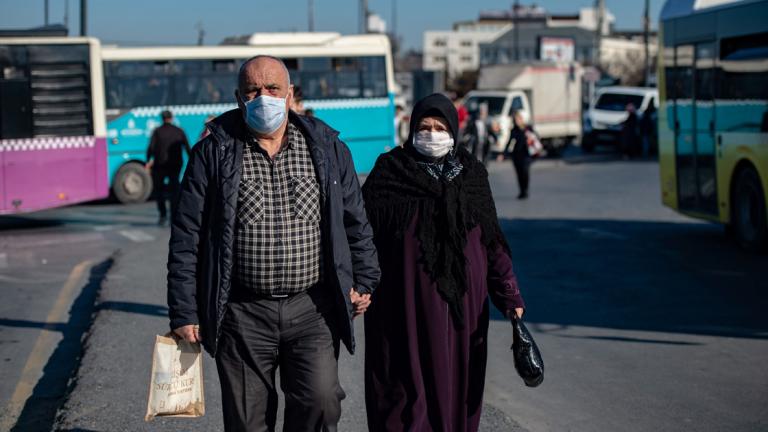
(229, 129)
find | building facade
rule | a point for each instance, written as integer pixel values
(456, 51)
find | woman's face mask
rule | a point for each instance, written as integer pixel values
(265, 113)
(433, 143)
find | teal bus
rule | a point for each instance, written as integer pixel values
(346, 80)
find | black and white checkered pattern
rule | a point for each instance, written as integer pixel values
(277, 241)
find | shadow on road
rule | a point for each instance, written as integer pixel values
(40, 409)
(128, 307)
(660, 277)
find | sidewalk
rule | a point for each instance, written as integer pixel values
(110, 391)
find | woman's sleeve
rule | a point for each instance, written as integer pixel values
(502, 282)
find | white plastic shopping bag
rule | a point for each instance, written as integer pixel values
(176, 385)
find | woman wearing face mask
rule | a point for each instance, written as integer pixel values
(441, 253)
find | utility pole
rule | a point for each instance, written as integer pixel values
(46, 12)
(646, 31)
(394, 19)
(516, 34)
(363, 16)
(311, 15)
(66, 15)
(600, 10)
(83, 17)
(200, 33)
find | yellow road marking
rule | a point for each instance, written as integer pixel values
(37, 359)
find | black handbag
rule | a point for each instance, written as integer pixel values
(527, 357)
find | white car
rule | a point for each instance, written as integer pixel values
(608, 111)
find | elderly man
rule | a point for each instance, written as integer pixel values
(271, 256)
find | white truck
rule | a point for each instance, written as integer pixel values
(547, 93)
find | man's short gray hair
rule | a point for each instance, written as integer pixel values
(259, 57)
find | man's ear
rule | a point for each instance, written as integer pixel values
(289, 96)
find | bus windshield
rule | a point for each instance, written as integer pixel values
(618, 101)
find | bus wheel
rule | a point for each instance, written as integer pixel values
(748, 210)
(132, 184)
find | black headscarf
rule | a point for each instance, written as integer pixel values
(397, 189)
(434, 105)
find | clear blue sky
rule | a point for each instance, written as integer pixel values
(173, 21)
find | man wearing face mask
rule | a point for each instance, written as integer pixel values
(441, 253)
(271, 256)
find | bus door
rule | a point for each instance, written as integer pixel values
(695, 128)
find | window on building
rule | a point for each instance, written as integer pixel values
(440, 42)
(466, 59)
(466, 43)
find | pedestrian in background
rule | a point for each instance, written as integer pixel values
(519, 139)
(477, 135)
(442, 253)
(271, 256)
(462, 112)
(630, 133)
(164, 161)
(648, 131)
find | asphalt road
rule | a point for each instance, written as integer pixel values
(647, 320)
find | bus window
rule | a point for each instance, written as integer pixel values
(342, 77)
(45, 91)
(15, 97)
(198, 82)
(132, 84)
(743, 74)
(374, 76)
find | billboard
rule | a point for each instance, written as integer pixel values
(557, 49)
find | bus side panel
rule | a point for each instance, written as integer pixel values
(50, 172)
(366, 126)
(130, 133)
(739, 147)
(666, 130)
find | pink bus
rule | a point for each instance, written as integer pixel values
(52, 125)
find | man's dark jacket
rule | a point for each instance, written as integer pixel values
(200, 258)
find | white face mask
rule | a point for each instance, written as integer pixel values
(433, 144)
(265, 114)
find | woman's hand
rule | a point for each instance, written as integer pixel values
(519, 312)
(360, 302)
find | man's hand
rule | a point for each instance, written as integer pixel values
(148, 167)
(360, 302)
(519, 312)
(190, 333)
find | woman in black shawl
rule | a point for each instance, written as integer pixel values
(442, 253)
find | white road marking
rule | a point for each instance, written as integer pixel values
(137, 236)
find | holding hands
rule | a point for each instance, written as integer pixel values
(359, 301)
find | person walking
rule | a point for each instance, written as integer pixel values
(521, 157)
(441, 253)
(630, 133)
(271, 256)
(164, 162)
